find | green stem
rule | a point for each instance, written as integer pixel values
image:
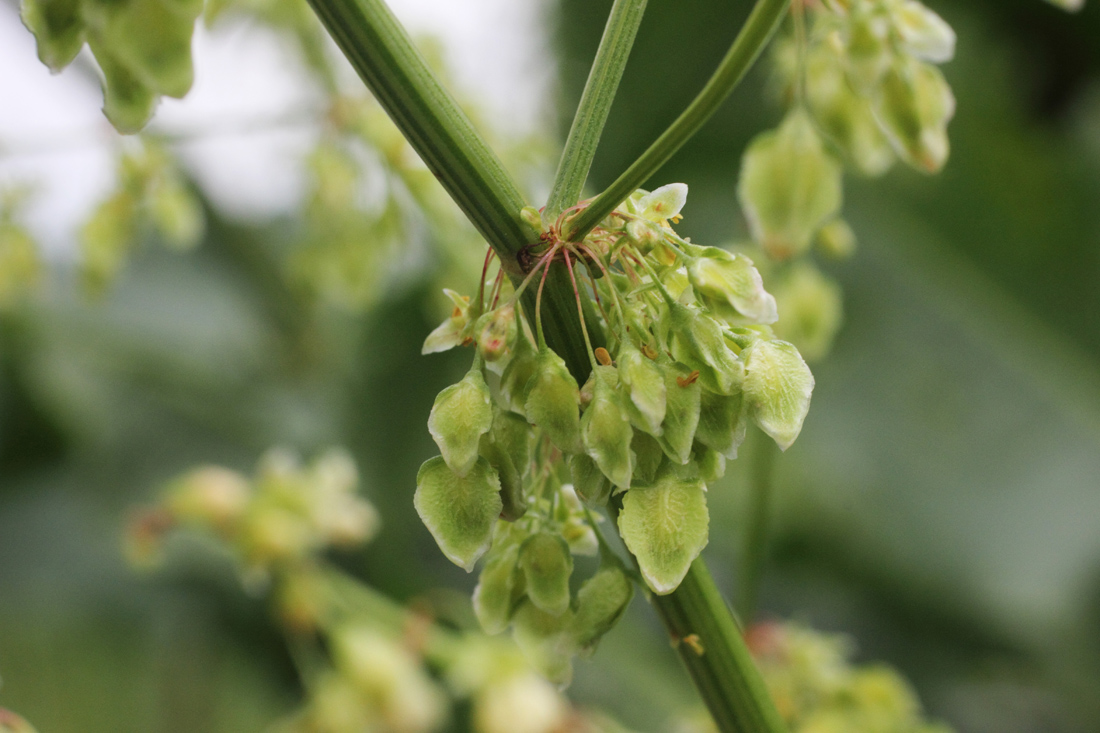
(381, 52)
(756, 532)
(716, 658)
(599, 93)
(754, 35)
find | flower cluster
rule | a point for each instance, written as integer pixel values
(689, 361)
(818, 690)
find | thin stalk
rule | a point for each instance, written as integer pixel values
(599, 93)
(754, 35)
(756, 532)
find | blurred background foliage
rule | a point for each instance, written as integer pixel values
(942, 506)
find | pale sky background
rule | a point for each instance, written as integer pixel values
(247, 116)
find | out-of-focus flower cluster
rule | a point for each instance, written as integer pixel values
(366, 663)
(817, 689)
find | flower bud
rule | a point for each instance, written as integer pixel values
(646, 388)
(605, 428)
(523, 703)
(498, 333)
(462, 413)
(732, 280)
(778, 385)
(459, 511)
(811, 306)
(664, 203)
(531, 217)
(913, 106)
(517, 375)
(452, 331)
(837, 240)
(553, 402)
(601, 602)
(210, 495)
(588, 480)
(644, 233)
(722, 422)
(924, 34)
(496, 585)
(790, 186)
(697, 341)
(682, 415)
(547, 565)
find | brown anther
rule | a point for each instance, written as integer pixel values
(602, 356)
(467, 341)
(456, 312)
(689, 379)
(649, 351)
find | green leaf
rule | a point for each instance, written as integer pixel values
(605, 428)
(458, 511)
(790, 186)
(682, 415)
(601, 602)
(547, 565)
(665, 527)
(778, 386)
(495, 587)
(722, 422)
(462, 413)
(646, 387)
(553, 402)
(58, 29)
(546, 641)
(588, 480)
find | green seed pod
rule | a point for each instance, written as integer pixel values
(790, 186)
(812, 311)
(682, 415)
(546, 641)
(517, 375)
(778, 385)
(729, 279)
(913, 106)
(665, 528)
(697, 341)
(868, 47)
(553, 402)
(513, 502)
(547, 565)
(605, 428)
(495, 589)
(601, 602)
(836, 240)
(588, 480)
(648, 457)
(459, 511)
(512, 433)
(462, 413)
(711, 464)
(498, 332)
(646, 386)
(722, 422)
(924, 34)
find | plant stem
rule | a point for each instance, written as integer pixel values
(599, 93)
(717, 659)
(754, 35)
(381, 52)
(756, 532)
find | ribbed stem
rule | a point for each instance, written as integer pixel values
(595, 104)
(752, 39)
